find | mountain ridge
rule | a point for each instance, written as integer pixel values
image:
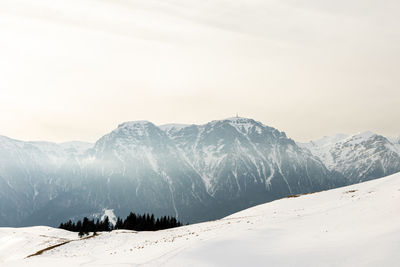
(359, 157)
(193, 172)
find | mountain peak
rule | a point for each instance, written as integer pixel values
(365, 134)
(359, 137)
(134, 128)
(238, 119)
(241, 124)
(134, 123)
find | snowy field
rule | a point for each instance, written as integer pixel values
(357, 225)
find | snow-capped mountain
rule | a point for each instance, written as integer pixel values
(243, 162)
(358, 157)
(194, 172)
(140, 169)
(30, 175)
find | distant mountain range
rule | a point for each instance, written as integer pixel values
(358, 157)
(193, 172)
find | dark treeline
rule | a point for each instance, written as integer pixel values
(145, 222)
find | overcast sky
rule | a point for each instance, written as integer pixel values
(75, 69)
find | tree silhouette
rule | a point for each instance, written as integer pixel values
(136, 222)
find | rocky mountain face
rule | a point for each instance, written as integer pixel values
(194, 172)
(243, 162)
(31, 175)
(359, 157)
(139, 168)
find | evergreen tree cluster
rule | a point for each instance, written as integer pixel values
(136, 222)
(85, 226)
(146, 222)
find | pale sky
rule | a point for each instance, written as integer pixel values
(75, 69)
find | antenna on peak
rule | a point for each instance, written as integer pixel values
(237, 115)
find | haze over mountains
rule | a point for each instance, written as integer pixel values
(194, 172)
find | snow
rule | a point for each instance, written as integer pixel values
(324, 147)
(327, 140)
(243, 125)
(58, 153)
(76, 147)
(133, 123)
(350, 226)
(396, 143)
(357, 156)
(360, 137)
(111, 216)
(394, 139)
(18, 243)
(138, 128)
(173, 126)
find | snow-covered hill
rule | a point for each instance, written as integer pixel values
(360, 157)
(349, 226)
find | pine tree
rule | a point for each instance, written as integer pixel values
(106, 224)
(119, 224)
(85, 226)
(145, 222)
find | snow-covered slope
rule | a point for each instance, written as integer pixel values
(358, 157)
(349, 226)
(18, 243)
(396, 142)
(321, 147)
(172, 127)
